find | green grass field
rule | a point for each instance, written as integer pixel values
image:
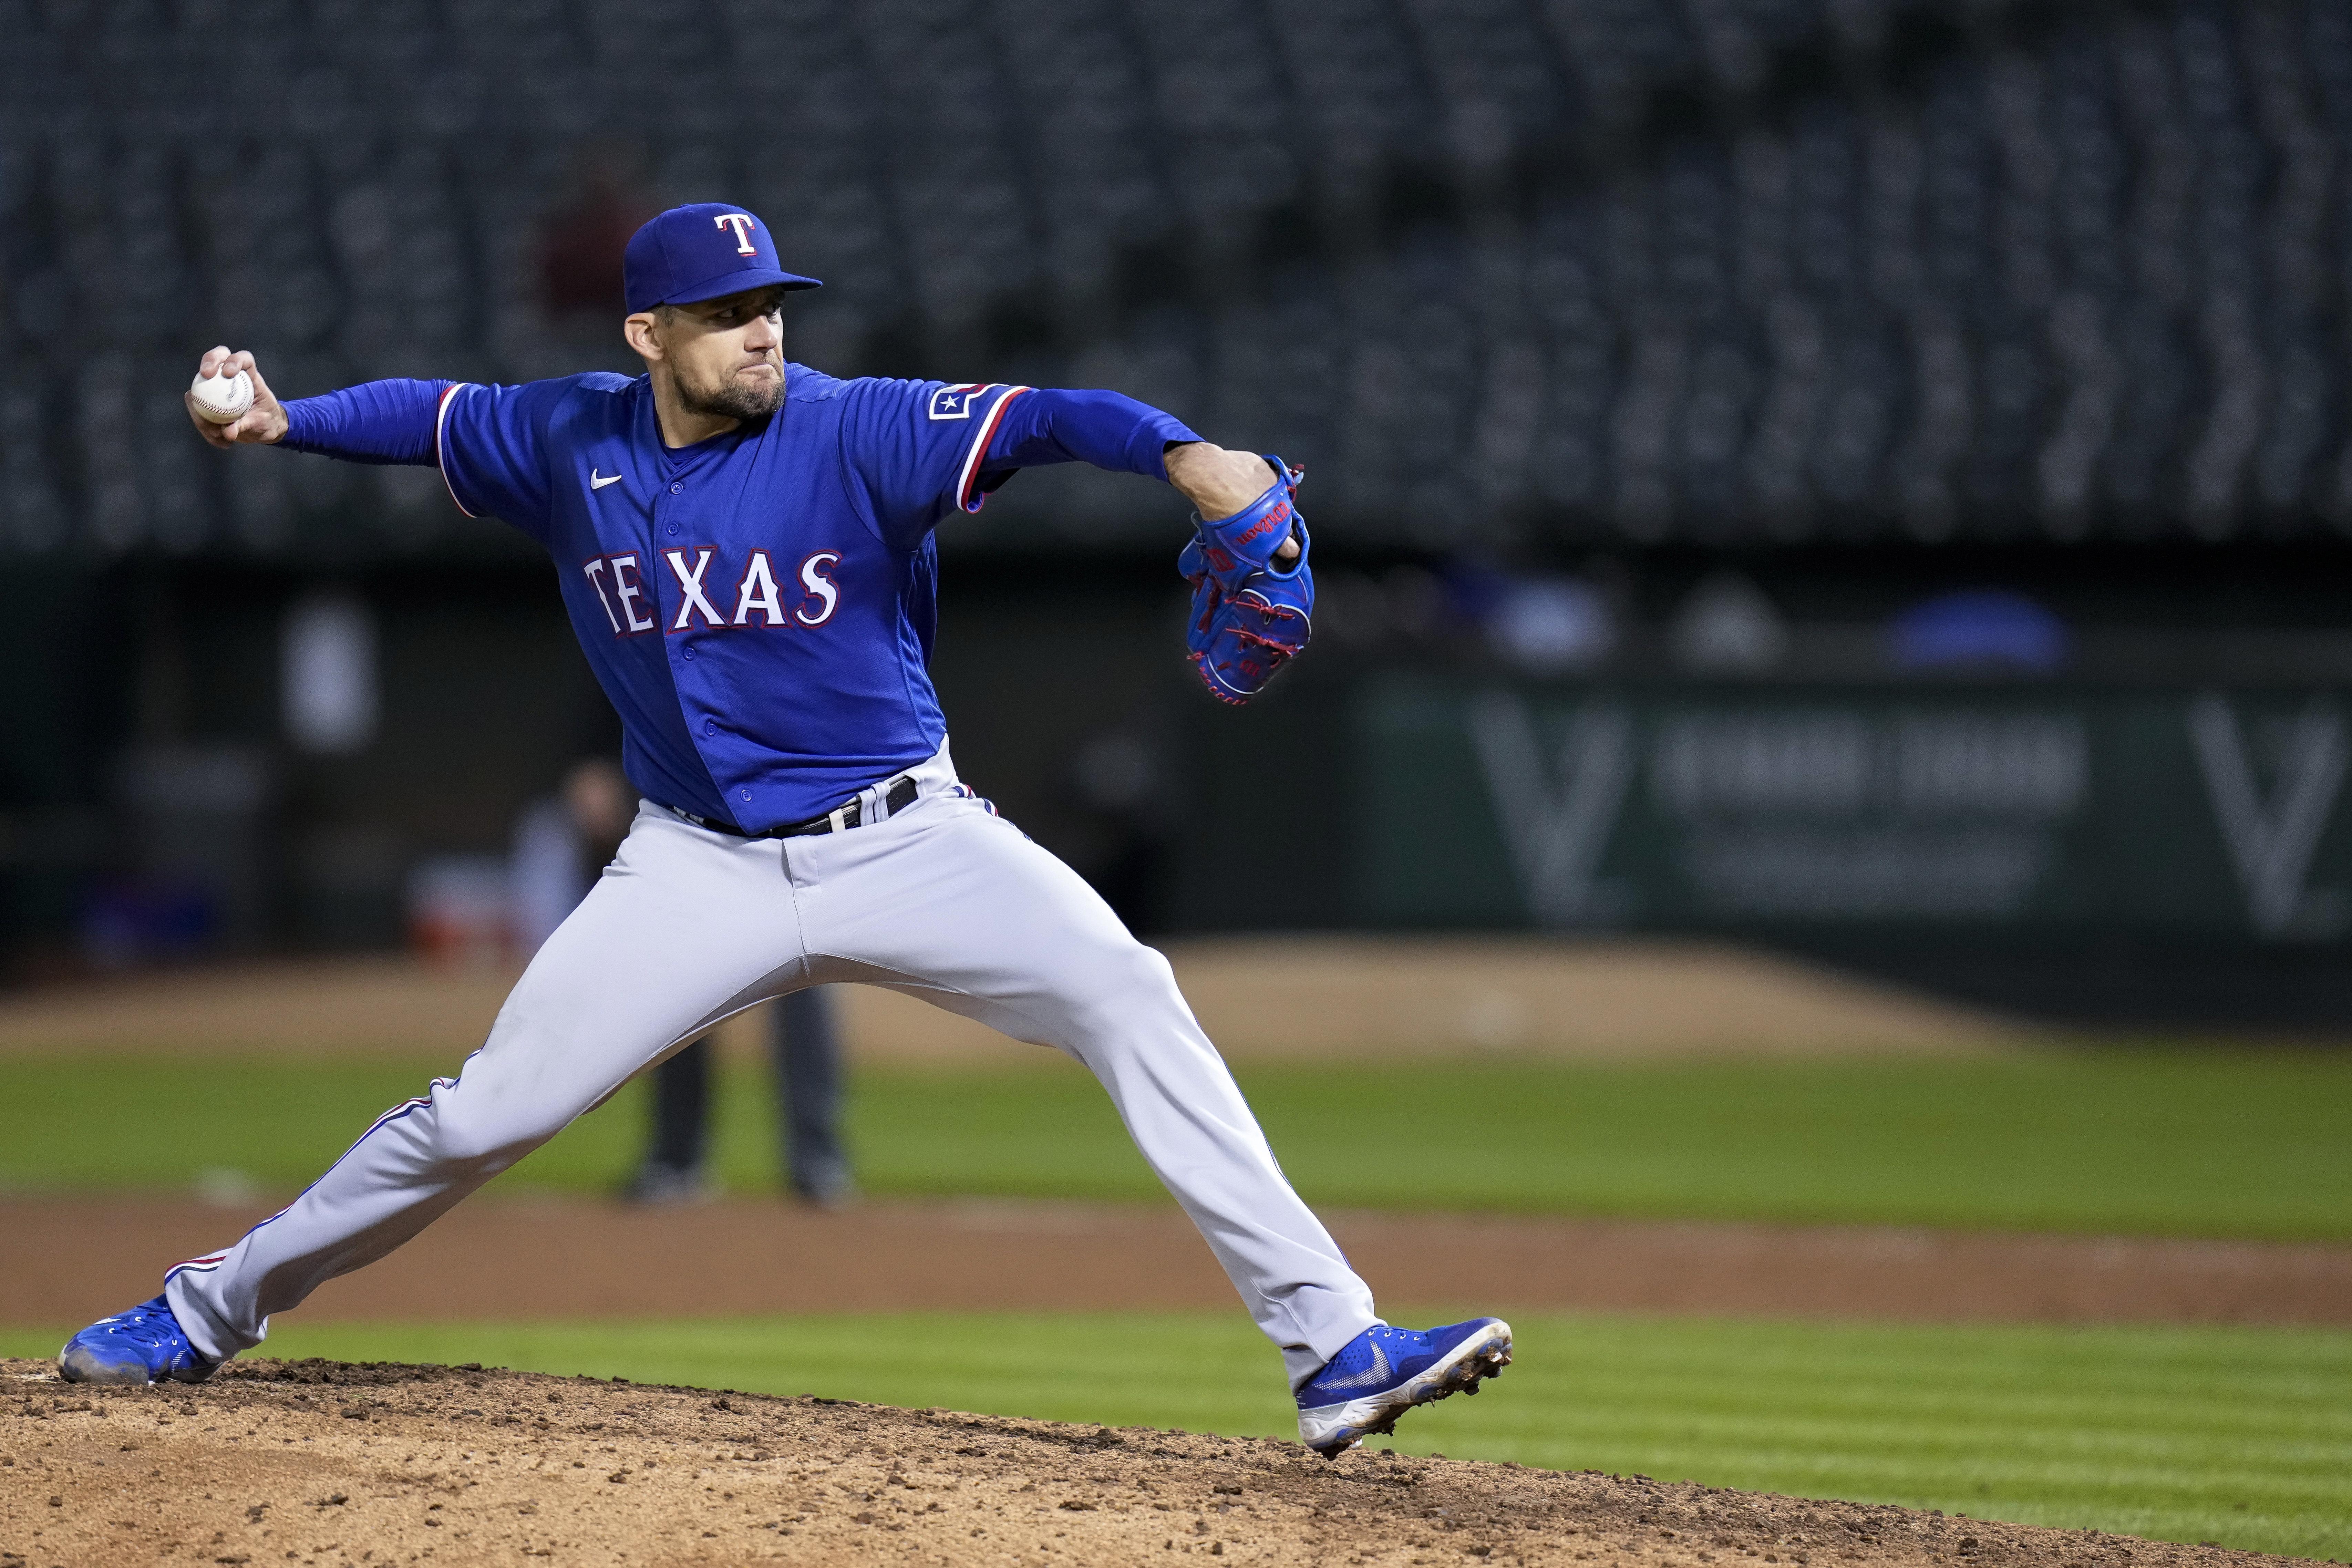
(2236, 1435)
(2242, 1436)
(2240, 1144)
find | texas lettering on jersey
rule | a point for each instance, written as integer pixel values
(759, 597)
(677, 565)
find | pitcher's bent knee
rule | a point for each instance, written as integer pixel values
(472, 1137)
(1123, 989)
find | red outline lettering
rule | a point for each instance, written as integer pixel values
(591, 567)
(626, 590)
(689, 586)
(770, 604)
(820, 586)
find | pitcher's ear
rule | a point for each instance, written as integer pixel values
(640, 331)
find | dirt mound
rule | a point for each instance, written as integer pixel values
(1346, 997)
(316, 1462)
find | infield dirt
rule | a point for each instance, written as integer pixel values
(526, 1259)
(1285, 998)
(316, 1462)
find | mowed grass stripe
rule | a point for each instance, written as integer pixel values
(2155, 1431)
(2219, 1143)
(2239, 1436)
(2155, 1141)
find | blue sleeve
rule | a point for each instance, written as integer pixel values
(1108, 429)
(374, 422)
(488, 440)
(493, 445)
(922, 449)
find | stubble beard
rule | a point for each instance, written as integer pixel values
(733, 398)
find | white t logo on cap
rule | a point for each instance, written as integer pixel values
(741, 224)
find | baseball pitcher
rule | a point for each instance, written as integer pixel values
(745, 549)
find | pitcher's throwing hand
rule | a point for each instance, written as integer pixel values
(263, 422)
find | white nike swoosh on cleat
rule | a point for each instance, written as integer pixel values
(1330, 1429)
(598, 482)
(1371, 1377)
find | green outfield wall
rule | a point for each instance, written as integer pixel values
(2206, 815)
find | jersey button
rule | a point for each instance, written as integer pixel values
(746, 793)
(676, 490)
(710, 726)
(673, 528)
(686, 653)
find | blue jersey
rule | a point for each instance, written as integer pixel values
(758, 606)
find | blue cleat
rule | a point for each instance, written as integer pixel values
(144, 1344)
(1385, 1371)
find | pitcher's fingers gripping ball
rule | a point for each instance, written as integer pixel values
(1252, 610)
(744, 547)
(230, 403)
(223, 399)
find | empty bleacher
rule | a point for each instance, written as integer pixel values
(1715, 270)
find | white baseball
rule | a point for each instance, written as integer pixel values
(222, 399)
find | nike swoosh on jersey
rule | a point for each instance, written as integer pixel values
(597, 481)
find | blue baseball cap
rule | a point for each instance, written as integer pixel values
(701, 252)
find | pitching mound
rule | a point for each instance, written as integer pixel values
(318, 1462)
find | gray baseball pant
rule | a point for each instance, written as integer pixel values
(944, 900)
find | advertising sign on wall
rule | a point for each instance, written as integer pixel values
(2214, 812)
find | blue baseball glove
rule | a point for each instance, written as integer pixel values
(1249, 617)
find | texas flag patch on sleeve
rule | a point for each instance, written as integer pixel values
(955, 402)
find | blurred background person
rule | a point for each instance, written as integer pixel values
(804, 1055)
(603, 198)
(561, 845)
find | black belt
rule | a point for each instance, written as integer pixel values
(897, 797)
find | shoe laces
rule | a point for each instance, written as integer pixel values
(143, 1326)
